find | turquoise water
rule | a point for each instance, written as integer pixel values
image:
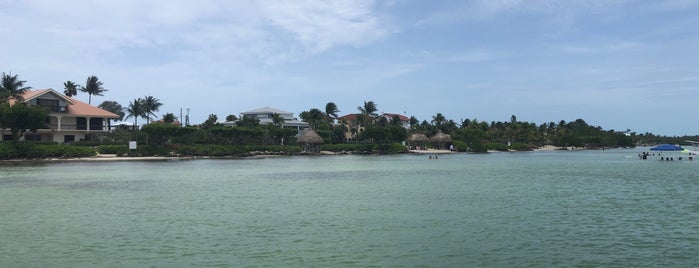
(588, 208)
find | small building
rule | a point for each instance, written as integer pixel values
(266, 115)
(68, 119)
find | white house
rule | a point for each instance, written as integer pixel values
(68, 119)
(265, 115)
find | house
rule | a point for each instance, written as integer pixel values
(354, 127)
(68, 119)
(404, 120)
(265, 115)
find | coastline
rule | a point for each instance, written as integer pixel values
(114, 157)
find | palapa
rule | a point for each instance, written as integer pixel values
(309, 137)
(441, 138)
(417, 137)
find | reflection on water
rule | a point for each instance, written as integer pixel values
(597, 208)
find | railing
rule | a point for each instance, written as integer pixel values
(79, 127)
(54, 108)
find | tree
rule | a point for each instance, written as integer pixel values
(210, 122)
(71, 88)
(331, 112)
(414, 121)
(313, 117)
(366, 111)
(11, 87)
(136, 109)
(169, 118)
(231, 117)
(113, 107)
(93, 86)
(20, 117)
(150, 106)
(277, 120)
(438, 120)
(248, 121)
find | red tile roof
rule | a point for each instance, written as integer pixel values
(349, 117)
(400, 116)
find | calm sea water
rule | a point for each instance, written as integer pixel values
(532, 209)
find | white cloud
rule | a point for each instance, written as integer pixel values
(320, 25)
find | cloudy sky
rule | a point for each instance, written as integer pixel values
(618, 64)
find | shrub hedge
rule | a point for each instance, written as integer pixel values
(29, 150)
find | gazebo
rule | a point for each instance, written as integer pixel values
(310, 139)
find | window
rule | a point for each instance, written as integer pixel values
(81, 123)
(32, 137)
(68, 138)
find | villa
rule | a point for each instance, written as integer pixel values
(68, 119)
(265, 115)
(353, 126)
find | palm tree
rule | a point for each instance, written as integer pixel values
(71, 88)
(150, 106)
(169, 118)
(136, 109)
(11, 87)
(331, 112)
(438, 120)
(93, 86)
(366, 111)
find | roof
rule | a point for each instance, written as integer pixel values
(33, 94)
(267, 110)
(74, 107)
(400, 116)
(349, 117)
(667, 147)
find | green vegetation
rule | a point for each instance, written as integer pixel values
(369, 133)
(19, 118)
(32, 150)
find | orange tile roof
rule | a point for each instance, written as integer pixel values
(74, 108)
(83, 109)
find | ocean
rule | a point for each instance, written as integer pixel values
(525, 209)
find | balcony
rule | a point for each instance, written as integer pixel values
(54, 108)
(78, 127)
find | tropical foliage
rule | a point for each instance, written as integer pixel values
(93, 86)
(20, 118)
(70, 88)
(12, 87)
(136, 109)
(113, 107)
(150, 106)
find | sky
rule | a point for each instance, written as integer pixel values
(617, 64)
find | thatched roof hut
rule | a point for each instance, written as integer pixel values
(417, 137)
(309, 137)
(441, 138)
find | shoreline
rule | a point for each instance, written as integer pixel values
(115, 158)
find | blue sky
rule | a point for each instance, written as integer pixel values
(618, 64)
